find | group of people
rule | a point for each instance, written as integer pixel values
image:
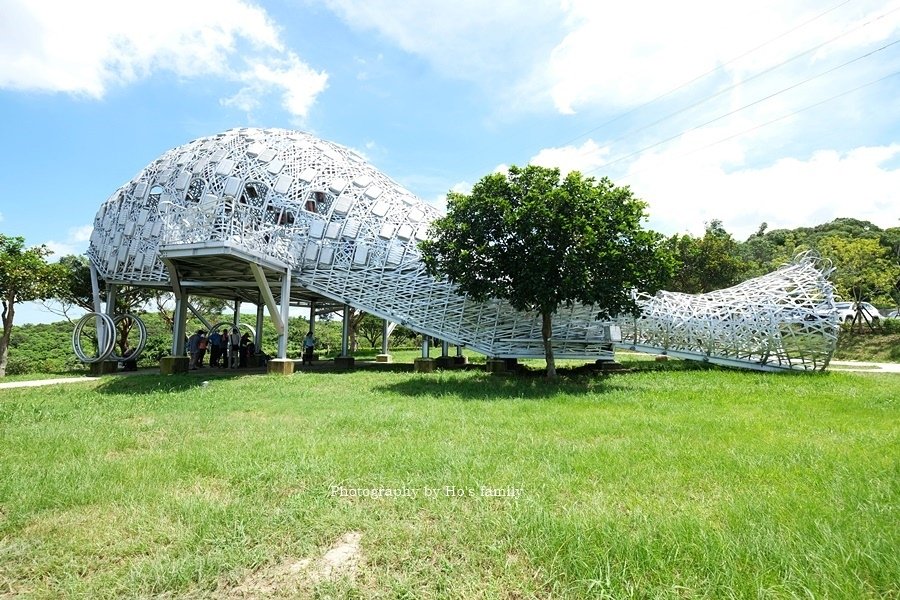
(226, 350)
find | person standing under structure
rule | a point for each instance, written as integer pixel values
(234, 343)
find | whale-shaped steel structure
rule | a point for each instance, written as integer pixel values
(251, 213)
(348, 233)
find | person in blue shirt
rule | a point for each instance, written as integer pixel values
(215, 348)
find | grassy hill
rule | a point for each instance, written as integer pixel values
(878, 346)
(670, 481)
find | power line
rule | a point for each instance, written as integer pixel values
(751, 78)
(746, 106)
(707, 73)
(767, 123)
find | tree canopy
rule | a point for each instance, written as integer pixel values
(539, 242)
(705, 264)
(25, 275)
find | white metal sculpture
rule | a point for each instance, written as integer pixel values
(249, 213)
(783, 320)
(344, 231)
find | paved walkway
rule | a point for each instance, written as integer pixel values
(863, 367)
(43, 382)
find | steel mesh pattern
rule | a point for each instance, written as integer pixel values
(349, 233)
(783, 320)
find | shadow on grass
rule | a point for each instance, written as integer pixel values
(154, 383)
(527, 385)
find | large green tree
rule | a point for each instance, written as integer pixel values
(705, 264)
(540, 242)
(865, 269)
(25, 275)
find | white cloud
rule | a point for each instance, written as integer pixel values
(81, 234)
(585, 158)
(467, 39)
(621, 54)
(577, 55)
(88, 47)
(76, 242)
(684, 192)
(298, 84)
(1, 217)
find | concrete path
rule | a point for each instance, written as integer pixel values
(863, 367)
(42, 382)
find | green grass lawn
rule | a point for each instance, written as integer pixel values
(669, 481)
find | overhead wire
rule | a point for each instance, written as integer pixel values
(771, 121)
(744, 107)
(707, 73)
(749, 79)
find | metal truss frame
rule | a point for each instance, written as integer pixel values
(346, 232)
(785, 320)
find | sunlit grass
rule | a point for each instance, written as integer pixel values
(668, 481)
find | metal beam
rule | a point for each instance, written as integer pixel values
(197, 314)
(268, 298)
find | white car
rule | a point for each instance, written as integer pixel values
(847, 311)
(894, 314)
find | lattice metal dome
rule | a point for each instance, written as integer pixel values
(346, 231)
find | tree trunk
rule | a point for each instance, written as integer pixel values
(546, 330)
(8, 312)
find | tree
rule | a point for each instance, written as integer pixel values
(540, 242)
(705, 264)
(205, 305)
(865, 269)
(25, 275)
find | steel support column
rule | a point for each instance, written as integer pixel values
(260, 316)
(345, 332)
(285, 312)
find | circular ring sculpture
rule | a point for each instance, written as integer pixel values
(142, 336)
(105, 325)
(229, 325)
(106, 330)
(346, 233)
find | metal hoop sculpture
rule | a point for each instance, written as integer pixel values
(108, 340)
(142, 337)
(224, 324)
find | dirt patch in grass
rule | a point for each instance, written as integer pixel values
(291, 576)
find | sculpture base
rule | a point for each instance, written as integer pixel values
(169, 365)
(280, 366)
(424, 365)
(444, 362)
(344, 362)
(609, 365)
(383, 358)
(104, 367)
(500, 366)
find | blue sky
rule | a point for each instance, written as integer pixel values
(783, 112)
